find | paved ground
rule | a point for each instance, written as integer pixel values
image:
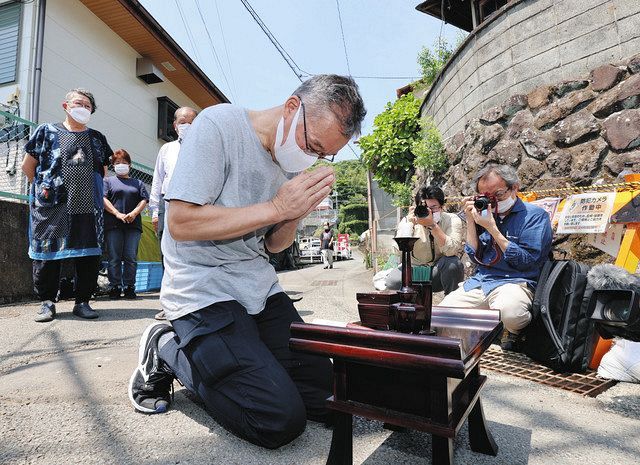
(63, 399)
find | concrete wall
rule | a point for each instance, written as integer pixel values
(15, 266)
(81, 51)
(529, 43)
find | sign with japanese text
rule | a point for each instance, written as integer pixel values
(586, 213)
(609, 241)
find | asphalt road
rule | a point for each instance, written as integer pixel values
(63, 399)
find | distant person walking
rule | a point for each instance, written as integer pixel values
(165, 162)
(326, 246)
(65, 162)
(124, 200)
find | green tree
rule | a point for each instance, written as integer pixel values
(400, 143)
(432, 60)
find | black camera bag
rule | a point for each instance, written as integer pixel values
(561, 334)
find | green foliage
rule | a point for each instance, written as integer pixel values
(387, 150)
(429, 149)
(401, 193)
(351, 181)
(354, 211)
(400, 143)
(432, 60)
(356, 227)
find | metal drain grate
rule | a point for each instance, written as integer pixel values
(521, 366)
(329, 282)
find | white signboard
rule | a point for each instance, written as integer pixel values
(609, 241)
(586, 213)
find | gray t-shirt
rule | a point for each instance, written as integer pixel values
(222, 162)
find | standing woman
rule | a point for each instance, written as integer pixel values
(124, 200)
(65, 163)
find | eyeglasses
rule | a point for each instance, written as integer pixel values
(322, 156)
(80, 103)
(502, 194)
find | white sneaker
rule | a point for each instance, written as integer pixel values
(622, 362)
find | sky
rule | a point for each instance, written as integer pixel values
(382, 39)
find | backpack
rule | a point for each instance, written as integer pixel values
(561, 334)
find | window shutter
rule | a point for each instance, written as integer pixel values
(9, 33)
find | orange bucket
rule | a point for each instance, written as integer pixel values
(602, 347)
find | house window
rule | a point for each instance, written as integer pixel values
(166, 109)
(487, 7)
(9, 32)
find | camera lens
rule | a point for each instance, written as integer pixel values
(421, 211)
(481, 203)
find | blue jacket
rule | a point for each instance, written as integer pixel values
(528, 229)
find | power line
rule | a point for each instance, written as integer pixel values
(287, 58)
(344, 43)
(226, 51)
(193, 45)
(213, 48)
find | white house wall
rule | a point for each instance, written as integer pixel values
(81, 51)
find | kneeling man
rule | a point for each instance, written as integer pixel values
(234, 194)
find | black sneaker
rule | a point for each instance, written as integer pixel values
(84, 310)
(511, 342)
(151, 383)
(130, 292)
(46, 313)
(114, 292)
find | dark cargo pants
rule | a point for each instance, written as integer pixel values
(241, 367)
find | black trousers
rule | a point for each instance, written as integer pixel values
(241, 367)
(46, 277)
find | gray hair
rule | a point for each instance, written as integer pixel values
(338, 94)
(84, 93)
(507, 173)
(176, 114)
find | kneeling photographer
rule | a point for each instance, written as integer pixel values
(510, 241)
(439, 241)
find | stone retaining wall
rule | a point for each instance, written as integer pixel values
(557, 135)
(15, 266)
(526, 44)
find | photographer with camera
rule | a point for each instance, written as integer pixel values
(510, 241)
(439, 241)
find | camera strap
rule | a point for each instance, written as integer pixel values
(478, 256)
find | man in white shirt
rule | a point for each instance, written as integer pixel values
(165, 162)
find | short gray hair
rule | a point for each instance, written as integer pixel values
(507, 173)
(338, 94)
(184, 110)
(84, 93)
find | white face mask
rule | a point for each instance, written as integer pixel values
(121, 169)
(289, 155)
(436, 217)
(505, 205)
(79, 114)
(181, 129)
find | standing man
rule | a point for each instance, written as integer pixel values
(65, 164)
(233, 195)
(326, 246)
(165, 163)
(510, 241)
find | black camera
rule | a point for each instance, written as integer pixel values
(482, 202)
(615, 303)
(421, 211)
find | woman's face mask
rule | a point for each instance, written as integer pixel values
(79, 114)
(121, 169)
(288, 154)
(436, 217)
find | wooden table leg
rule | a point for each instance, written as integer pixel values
(341, 452)
(480, 438)
(442, 449)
